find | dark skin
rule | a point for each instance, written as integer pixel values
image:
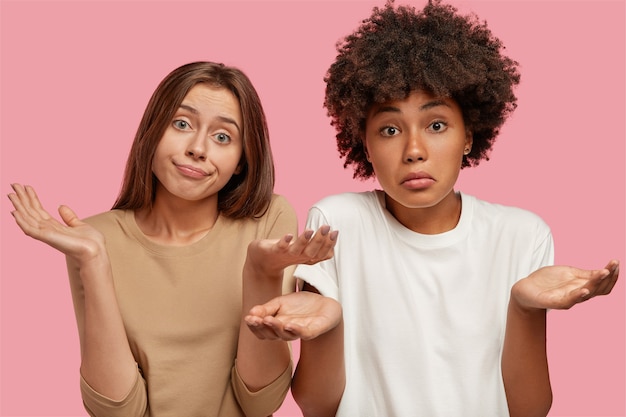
(319, 380)
(450, 57)
(408, 140)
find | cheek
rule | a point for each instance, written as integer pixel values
(229, 158)
(156, 158)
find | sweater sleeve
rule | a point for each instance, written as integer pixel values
(279, 220)
(282, 220)
(265, 401)
(134, 404)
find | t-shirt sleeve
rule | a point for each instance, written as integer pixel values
(265, 401)
(322, 275)
(543, 255)
(134, 404)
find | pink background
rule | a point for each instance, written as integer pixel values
(76, 77)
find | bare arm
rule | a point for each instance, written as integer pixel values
(524, 360)
(525, 364)
(107, 363)
(320, 376)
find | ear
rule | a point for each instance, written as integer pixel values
(469, 141)
(367, 154)
(239, 168)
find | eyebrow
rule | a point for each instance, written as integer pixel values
(431, 104)
(224, 119)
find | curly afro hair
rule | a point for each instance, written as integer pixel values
(398, 50)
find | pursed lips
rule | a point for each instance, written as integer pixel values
(194, 171)
(417, 176)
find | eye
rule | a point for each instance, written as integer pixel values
(181, 124)
(389, 131)
(438, 126)
(222, 138)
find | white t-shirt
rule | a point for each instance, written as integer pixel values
(424, 315)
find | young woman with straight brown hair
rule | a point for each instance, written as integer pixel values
(195, 238)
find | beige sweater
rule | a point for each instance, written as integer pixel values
(181, 307)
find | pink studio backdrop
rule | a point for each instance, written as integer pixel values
(76, 76)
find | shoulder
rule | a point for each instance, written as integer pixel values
(279, 203)
(346, 211)
(348, 203)
(505, 216)
(278, 207)
(106, 220)
(279, 214)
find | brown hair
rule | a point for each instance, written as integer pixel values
(398, 50)
(248, 193)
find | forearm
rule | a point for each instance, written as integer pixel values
(107, 363)
(319, 380)
(259, 362)
(524, 362)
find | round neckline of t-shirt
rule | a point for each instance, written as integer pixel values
(166, 250)
(416, 239)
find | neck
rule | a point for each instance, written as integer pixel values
(178, 222)
(440, 218)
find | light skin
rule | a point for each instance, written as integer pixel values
(416, 146)
(197, 155)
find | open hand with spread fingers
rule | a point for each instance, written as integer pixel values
(272, 256)
(74, 238)
(561, 287)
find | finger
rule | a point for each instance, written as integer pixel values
(607, 283)
(258, 326)
(17, 205)
(320, 244)
(256, 329)
(266, 332)
(28, 221)
(601, 284)
(34, 200)
(301, 242)
(283, 244)
(268, 309)
(326, 250)
(612, 265)
(23, 223)
(33, 204)
(25, 201)
(18, 198)
(278, 328)
(580, 294)
(588, 274)
(69, 217)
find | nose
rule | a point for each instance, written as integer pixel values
(414, 150)
(197, 148)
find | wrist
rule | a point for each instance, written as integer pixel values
(260, 270)
(97, 265)
(261, 263)
(521, 306)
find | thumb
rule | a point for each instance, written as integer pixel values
(69, 217)
(268, 309)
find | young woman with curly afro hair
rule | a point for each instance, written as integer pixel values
(435, 301)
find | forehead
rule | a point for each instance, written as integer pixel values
(204, 97)
(416, 101)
